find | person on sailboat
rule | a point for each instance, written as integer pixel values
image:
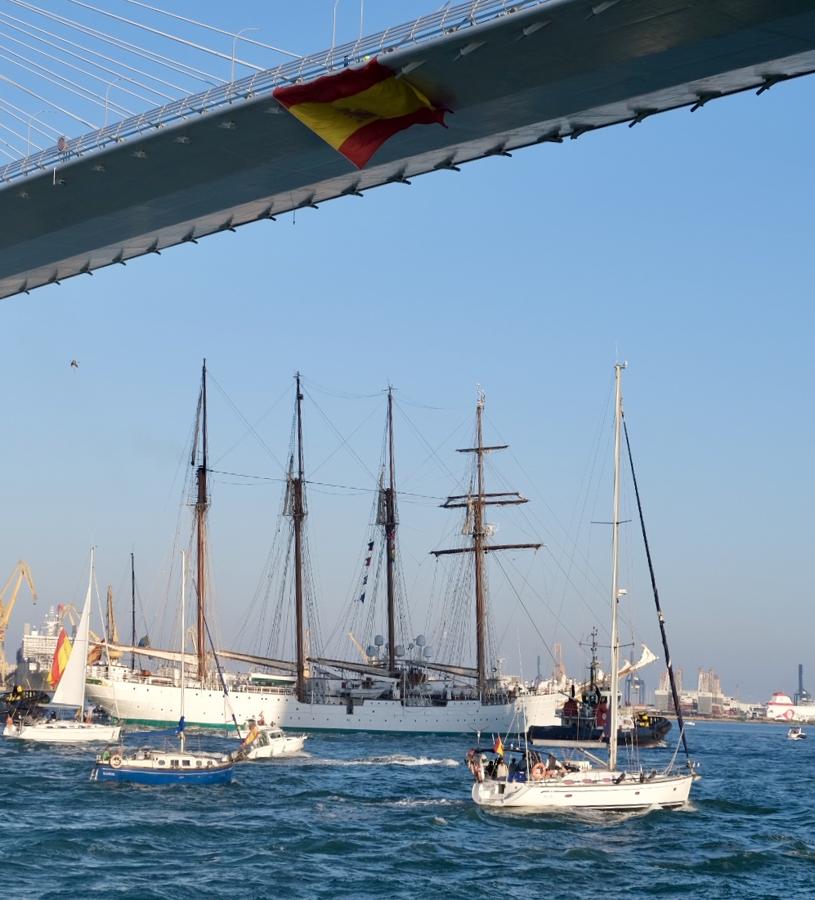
(553, 766)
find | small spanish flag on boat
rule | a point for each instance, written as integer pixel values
(357, 110)
(498, 746)
(60, 660)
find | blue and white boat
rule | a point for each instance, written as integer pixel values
(160, 767)
(149, 766)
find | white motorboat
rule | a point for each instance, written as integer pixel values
(268, 742)
(70, 691)
(533, 783)
(796, 734)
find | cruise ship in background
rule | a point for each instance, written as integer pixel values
(800, 708)
(35, 654)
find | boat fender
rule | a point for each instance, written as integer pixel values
(538, 772)
(116, 760)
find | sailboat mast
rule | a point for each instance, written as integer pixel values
(201, 506)
(478, 553)
(390, 539)
(615, 551)
(109, 614)
(81, 640)
(132, 611)
(183, 642)
(298, 514)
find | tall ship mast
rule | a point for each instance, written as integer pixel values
(389, 522)
(296, 510)
(475, 502)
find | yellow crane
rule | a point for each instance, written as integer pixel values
(21, 572)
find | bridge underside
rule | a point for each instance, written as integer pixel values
(550, 73)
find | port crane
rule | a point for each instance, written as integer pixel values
(20, 573)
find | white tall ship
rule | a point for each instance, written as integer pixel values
(388, 691)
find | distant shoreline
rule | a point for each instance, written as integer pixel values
(719, 720)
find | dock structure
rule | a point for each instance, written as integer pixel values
(511, 74)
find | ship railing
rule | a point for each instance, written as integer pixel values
(425, 28)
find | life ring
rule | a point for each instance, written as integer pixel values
(538, 772)
(116, 760)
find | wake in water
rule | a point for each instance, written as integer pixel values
(395, 759)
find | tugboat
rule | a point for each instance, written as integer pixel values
(586, 720)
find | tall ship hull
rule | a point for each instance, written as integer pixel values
(143, 704)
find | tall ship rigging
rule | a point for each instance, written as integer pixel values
(395, 687)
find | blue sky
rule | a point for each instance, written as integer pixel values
(682, 246)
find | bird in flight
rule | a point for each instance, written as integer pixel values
(74, 364)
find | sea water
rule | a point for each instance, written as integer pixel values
(390, 816)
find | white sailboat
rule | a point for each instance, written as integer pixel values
(532, 782)
(70, 691)
(165, 767)
(313, 693)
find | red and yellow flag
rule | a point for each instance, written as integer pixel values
(357, 110)
(498, 746)
(60, 660)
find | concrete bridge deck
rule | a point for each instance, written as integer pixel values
(514, 75)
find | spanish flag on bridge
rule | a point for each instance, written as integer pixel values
(357, 110)
(60, 660)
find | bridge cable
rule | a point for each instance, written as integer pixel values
(168, 62)
(51, 103)
(61, 81)
(231, 34)
(168, 35)
(17, 135)
(26, 120)
(79, 69)
(123, 65)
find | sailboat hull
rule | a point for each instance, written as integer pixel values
(136, 702)
(161, 768)
(63, 732)
(127, 776)
(591, 790)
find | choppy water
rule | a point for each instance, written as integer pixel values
(389, 816)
